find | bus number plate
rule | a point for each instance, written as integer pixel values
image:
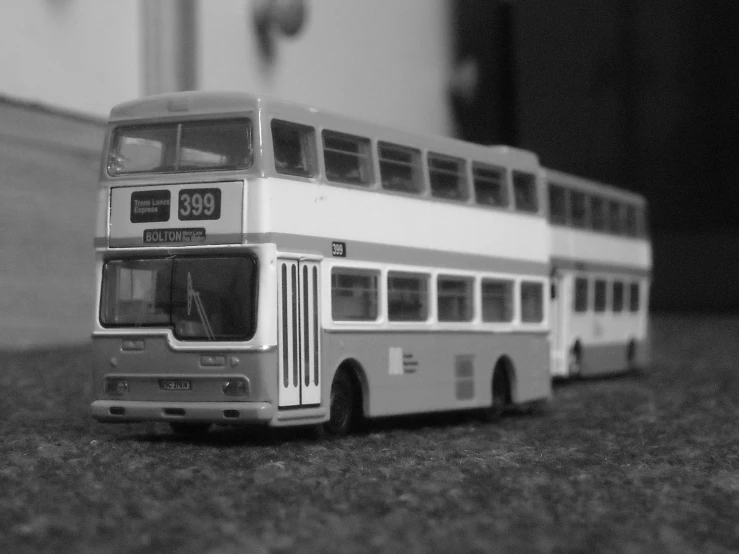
(195, 204)
(174, 384)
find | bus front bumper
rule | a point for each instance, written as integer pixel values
(228, 413)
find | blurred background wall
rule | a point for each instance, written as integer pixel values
(65, 63)
(82, 55)
(641, 94)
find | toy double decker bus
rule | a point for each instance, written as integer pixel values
(601, 270)
(263, 262)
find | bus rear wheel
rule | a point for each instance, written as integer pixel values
(501, 396)
(574, 361)
(342, 408)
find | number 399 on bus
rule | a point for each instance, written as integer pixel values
(198, 204)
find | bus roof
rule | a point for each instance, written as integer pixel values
(180, 105)
(588, 185)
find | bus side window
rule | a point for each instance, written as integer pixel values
(557, 204)
(618, 296)
(532, 302)
(634, 297)
(581, 294)
(490, 185)
(597, 213)
(348, 158)
(407, 296)
(400, 168)
(354, 294)
(497, 300)
(524, 192)
(630, 221)
(614, 218)
(447, 177)
(578, 210)
(454, 298)
(294, 148)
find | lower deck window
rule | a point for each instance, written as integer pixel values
(200, 298)
(599, 300)
(532, 302)
(407, 296)
(618, 296)
(581, 294)
(353, 294)
(454, 299)
(634, 297)
(497, 300)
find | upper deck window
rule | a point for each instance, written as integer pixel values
(630, 221)
(347, 158)
(557, 204)
(400, 168)
(177, 147)
(294, 148)
(578, 209)
(614, 218)
(447, 177)
(598, 213)
(490, 185)
(524, 192)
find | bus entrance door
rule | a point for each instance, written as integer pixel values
(556, 322)
(299, 338)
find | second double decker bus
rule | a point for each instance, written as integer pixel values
(601, 271)
(263, 262)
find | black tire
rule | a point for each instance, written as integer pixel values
(190, 429)
(631, 357)
(501, 396)
(342, 407)
(574, 361)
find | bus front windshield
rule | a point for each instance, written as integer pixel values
(180, 147)
(199, 298)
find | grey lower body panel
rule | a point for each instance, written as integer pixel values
(614, 358)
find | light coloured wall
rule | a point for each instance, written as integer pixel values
(82, 55)
(383, 60)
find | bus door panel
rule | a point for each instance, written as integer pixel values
(298, 333)
(557, 314)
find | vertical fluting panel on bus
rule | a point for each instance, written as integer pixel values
(298, 339)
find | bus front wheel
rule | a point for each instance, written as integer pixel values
(342, 406)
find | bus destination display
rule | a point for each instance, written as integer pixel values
(149, 206)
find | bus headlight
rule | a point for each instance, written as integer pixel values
(236, 387)
(116, 387)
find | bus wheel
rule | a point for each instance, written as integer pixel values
(190, 429)
(631, 356)
(501, 395)
(574, 361)
(342, 406)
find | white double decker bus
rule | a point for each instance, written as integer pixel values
(263, 262)
(601, 270)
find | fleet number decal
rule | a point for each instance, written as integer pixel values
(338, 249)
(198, 204)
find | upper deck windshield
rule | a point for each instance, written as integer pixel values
(200, 298)
(179, 147)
